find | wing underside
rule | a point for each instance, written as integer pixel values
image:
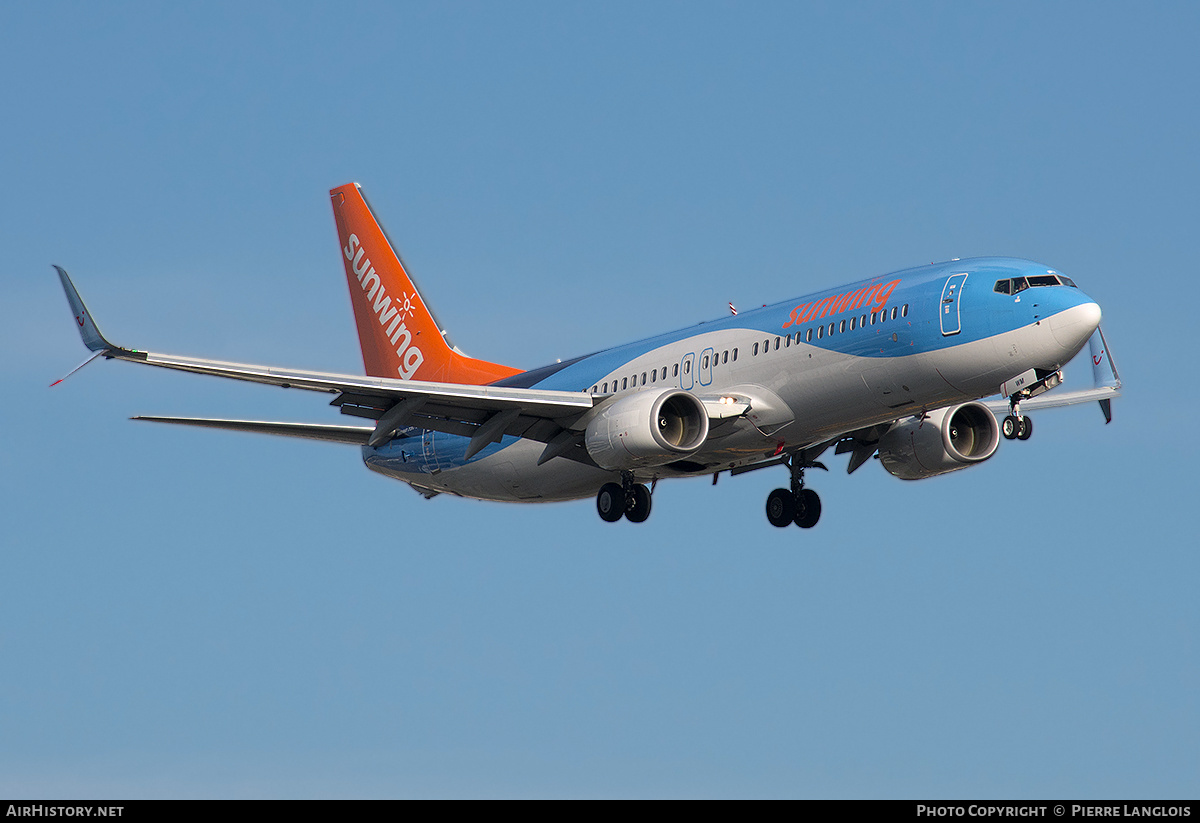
(483, 413)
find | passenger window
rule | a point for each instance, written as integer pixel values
(820, 332)
(787, 341)
(704, 365)
(643, 378)
(687, 367)
(755, 349)
(883, 316)
(735, 355)
(766, 346)
(724, 358)
(862, 321)
(873, 316)
(831, 326)
(594, 389)
(904, 311)
(853, 323)
(895, 312)
(776, 344)
(675, 371)
(842, 327)
(808, 336)
(654, 375)
(606, 388)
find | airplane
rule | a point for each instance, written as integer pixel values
(892, 367)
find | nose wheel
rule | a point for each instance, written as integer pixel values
(1016, 426)
(796, 504)
(625, 499)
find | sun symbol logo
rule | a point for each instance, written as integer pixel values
(406, 308)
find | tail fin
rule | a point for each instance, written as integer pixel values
(398, 334)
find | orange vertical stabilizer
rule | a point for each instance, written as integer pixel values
(399, 336)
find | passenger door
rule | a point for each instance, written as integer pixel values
(950, 311)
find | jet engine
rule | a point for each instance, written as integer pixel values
(648, 428)
(942, 441)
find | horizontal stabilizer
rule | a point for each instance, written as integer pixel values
(354, 435)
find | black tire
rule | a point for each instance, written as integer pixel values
(637, 507)
(1026, 429)
(808, 509)
(780, 507)
(1010, 427)
(610, 502)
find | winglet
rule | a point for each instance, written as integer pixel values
(1104, 370)
(88, 331)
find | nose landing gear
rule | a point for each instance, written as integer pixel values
(796, 504)
(1016, 426)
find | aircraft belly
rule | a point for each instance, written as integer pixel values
(508, 474)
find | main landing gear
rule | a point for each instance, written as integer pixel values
(628, 499)
(796, 504)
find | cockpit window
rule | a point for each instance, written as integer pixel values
(1019, 284)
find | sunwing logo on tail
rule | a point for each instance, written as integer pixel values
(391, 316)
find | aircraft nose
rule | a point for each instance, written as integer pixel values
(1072, 327)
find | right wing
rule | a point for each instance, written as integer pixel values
(1105, 381)
(483, 413)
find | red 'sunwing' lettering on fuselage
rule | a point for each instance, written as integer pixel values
(877, 294)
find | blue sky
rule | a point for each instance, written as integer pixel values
(209, 614)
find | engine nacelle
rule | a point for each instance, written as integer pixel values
(648, 428)
(945, 440)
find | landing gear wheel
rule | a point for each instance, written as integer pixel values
(637, 505)
(781, 505)
(610, 502)
(1026, 429)
(1011, 427)
(808, 509)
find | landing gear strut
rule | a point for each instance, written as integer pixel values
(796, 504)
(1016, 426)
(628, 499)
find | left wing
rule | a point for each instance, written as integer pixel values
(483, 413)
